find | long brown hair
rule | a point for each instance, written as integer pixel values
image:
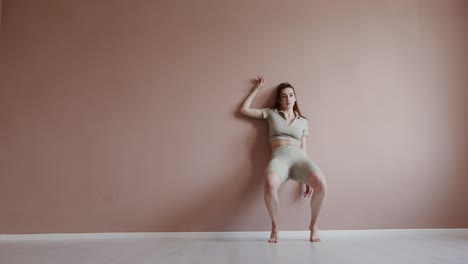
(280, 88)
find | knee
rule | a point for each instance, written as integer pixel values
(271, 183)
(321, 187)
(319, 184)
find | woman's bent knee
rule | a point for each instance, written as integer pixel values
(318, 183)
(272, 182)
(321, 187)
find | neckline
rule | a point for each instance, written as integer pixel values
(284, 118)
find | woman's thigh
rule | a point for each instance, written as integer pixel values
(278, 168)
(306, 171)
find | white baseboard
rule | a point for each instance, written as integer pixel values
(239, 235)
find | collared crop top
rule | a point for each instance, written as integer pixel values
(279, 128)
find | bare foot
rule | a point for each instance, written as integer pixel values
(314, 236)
(273, 236)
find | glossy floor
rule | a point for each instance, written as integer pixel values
(401, 248)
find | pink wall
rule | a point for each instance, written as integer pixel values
(122, 116)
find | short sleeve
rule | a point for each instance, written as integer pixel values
(265, 112)
(305, 131)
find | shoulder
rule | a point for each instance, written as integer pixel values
(303, 120)
(267, 112)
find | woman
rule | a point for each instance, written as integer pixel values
(288, 132)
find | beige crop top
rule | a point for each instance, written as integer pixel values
(279, 128)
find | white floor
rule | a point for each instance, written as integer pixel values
(394, 248)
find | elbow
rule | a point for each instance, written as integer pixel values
(243, 110)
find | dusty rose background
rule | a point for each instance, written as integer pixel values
(122, 116)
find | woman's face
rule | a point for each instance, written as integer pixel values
(287, 98)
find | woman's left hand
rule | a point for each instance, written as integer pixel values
(308, 191)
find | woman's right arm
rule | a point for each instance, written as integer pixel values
(245, 108)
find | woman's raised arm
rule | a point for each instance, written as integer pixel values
(245, 108)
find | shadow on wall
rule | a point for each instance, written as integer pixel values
(220, 208)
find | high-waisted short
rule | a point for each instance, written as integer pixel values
(290, 162)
